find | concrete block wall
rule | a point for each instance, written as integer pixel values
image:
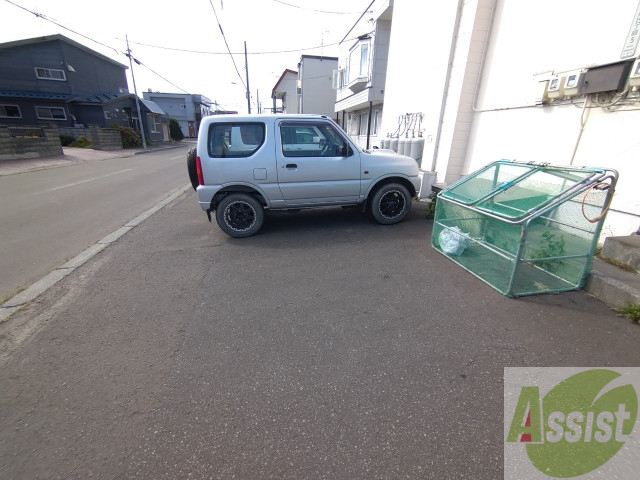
(75, 132)
(29, 142)
(105, 138)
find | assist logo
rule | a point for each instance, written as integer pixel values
(579, 425)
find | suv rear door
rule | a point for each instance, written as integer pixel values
(315, 163)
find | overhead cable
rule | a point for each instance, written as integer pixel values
(44, 17)
(235, 53)
(314, 10)
(227, 44)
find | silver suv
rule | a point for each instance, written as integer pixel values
(243, 165)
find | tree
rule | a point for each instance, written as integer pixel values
(174, 130)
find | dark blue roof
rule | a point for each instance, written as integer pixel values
(101, 97)
(35, 95)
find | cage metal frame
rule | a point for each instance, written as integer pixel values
(605, 176)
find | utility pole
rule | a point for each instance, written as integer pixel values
(135, 91)
(246, 65)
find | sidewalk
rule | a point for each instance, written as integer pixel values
(74, 155)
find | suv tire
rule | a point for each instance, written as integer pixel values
(191, 167)
(390, 204)
(239, 215)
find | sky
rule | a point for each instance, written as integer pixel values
(180, 44)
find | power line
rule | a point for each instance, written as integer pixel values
(44, 17)
(227, 44)
(126, 54)
(314, 10)
(236, 53)
(357, 21)
(157, 74)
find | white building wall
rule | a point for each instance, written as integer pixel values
(458, 118)
(419, 48)
(489, 106)
(379, 59)
(318, 96)
(508, 125)
(289, 86)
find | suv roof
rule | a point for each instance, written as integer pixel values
(267, 117)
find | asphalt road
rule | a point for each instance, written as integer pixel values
(325, 347)
(50, 215)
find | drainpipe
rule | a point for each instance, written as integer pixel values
(445, 93)
(369, 124)
(583, 121)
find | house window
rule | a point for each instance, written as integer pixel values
(51, 113)
(364, 119)
(153, 120)
(10, 111)
(50, 74)
(359, 61)
(376, 117)
(183, 107)
(354, 122)
(364, 60)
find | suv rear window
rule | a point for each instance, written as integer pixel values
(235, 139)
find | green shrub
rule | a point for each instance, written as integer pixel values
(175, 132)
(130, 138)
(66, 140)
(430, 211)
(82, 142)
(630, 311)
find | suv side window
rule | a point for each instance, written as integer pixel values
(307, 139)
(235, 139)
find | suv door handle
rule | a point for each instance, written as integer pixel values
(292, 165)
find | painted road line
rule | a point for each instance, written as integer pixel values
(90, 180)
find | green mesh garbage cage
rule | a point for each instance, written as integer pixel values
(524, 228)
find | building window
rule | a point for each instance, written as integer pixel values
(51, 113)
(183, 107)
(354, 122)
(364, 120)
(50, 74)
(359, 61)
(10, 111)
(153, 120)
(376, 118)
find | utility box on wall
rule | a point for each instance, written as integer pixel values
(606, 78)
(634, 77)
(574, 82)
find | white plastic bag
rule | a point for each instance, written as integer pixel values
(452, 241)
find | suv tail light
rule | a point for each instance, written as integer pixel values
(199, 171)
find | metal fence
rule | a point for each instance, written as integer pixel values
(25, 132)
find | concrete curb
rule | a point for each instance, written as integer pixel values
(611, 291)
(20, 300)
